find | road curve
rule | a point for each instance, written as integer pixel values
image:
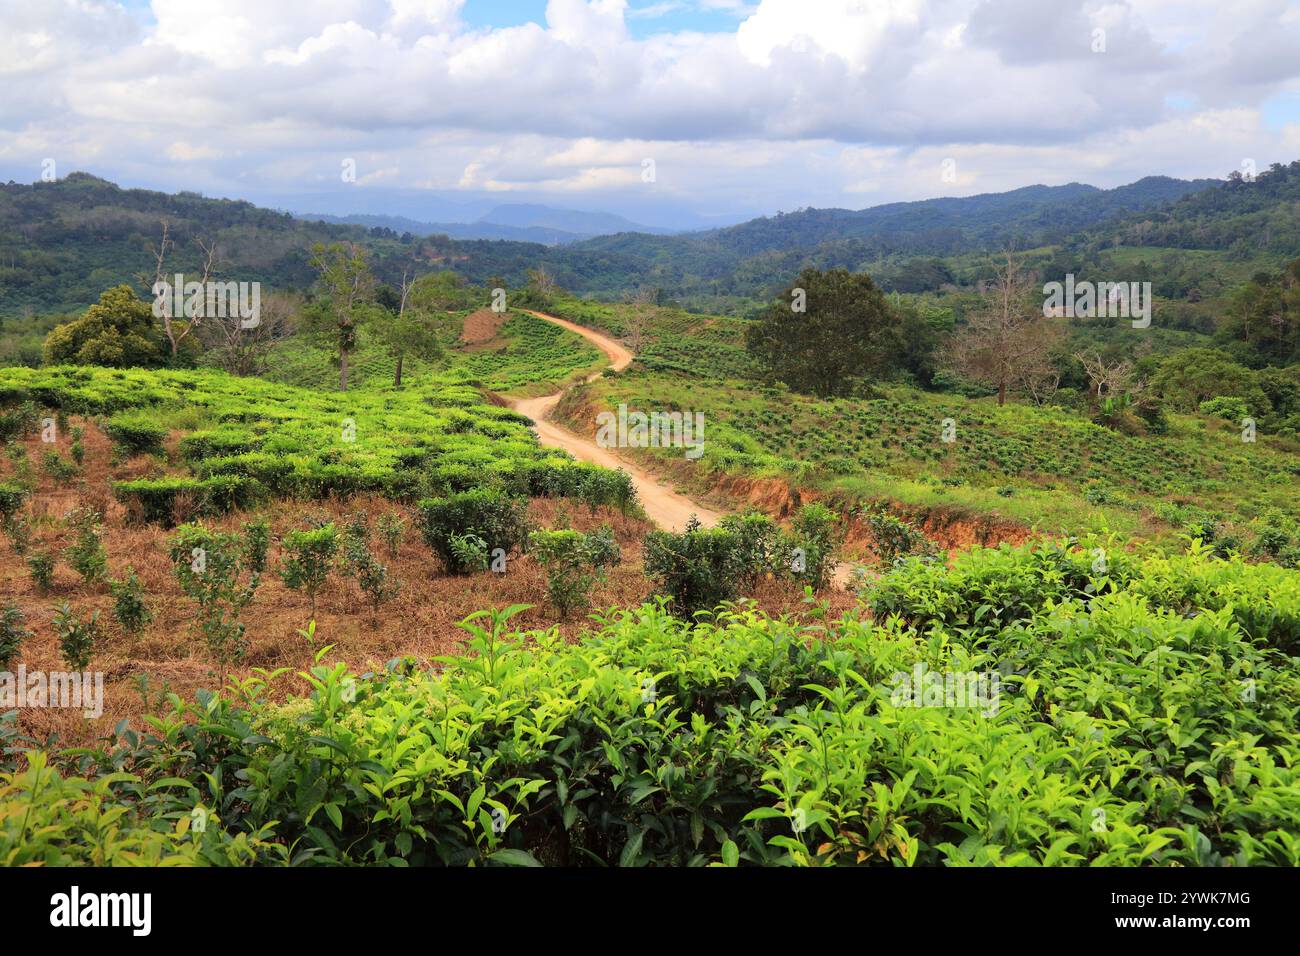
(664, 506)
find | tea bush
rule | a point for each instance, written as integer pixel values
(574, 563)
(1129, 726)
(136, 433)
(697, 569)
(496, 519)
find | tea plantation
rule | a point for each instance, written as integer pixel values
(1145, 715)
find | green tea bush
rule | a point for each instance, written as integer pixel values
(58, 467)
(41, 567)
(574, 563)
(136, 433)
(77, 637)
(1124, 730)
(12, 633)
(496, 519)
(815, 533)
(892, 537)
(87, 555)
(129, 607)
(760, 545)
(221, 573)
(18, 422)
(699, 569)
(307, 559)
(170, 501)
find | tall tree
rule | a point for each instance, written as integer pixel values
(346, 289)
(117, 331)
(409, 323)
(827, 329)
(1007, 342)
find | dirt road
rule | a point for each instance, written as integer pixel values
(664, 506)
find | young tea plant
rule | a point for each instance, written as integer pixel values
(77, 637)
(220, 572)
(574, 562)
(129, 607)
(12, 634)
(307, 559)
(391, 528)
(87, 555)
(41, 567)
(372, 575)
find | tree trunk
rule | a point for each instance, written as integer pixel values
(1002, 393)
(397, 378)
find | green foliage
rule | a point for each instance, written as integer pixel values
(136, 433)
(1228, 408)
(129, 606)
(497, 520)
(41, 567)
(118, 331)
(221, 572)
(761, 547)
(372, 577)
(77, 636)
(18, 422)
(58, 467)
(308, 558)
(391, 528)
(574, 563)
(169, 501)
(843, 331)
(892, 537)
(1130, 725)
(699, 569)
(12, 633)
(815, 534)
(87, 555)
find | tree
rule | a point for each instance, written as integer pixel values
(410, 327)
(828, 329)
(346, 298)
(241, 350)
(118, 331)
(175, 328)
(1007, 342)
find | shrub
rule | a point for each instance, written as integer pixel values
(12, 499)
(815, 534)
(372, 576)
(221, 572)
(17, 423)
(497, 520)
(136, 434)
(78, 446)
(1229, 408)
(77, 637)
(697, 569)
(892, 537)
(129, 607)
(760, 546)
(391, 529)
(58, 467)
(41, 567)
(12, 634)
(307, 559)
(575, 562)
(171, 501)
(87, 555)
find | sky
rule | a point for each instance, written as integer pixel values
(671, 112)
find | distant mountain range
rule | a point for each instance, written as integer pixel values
(517, 222)
(62, 243)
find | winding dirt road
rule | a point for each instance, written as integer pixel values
(664, 506)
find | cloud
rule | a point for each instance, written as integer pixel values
(841, 101)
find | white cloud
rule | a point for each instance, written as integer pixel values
(841, 101)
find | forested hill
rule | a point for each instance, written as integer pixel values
(63, 243)
(1035, 215)
(1260, 215)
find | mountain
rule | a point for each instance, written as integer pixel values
(589, 224)
(456, 230)
(62, 243)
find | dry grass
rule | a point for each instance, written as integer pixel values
(420, 622)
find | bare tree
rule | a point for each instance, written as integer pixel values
(244, 349)
(1007, 342)
(177, 328)
(1107, 379)
(638, 318)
